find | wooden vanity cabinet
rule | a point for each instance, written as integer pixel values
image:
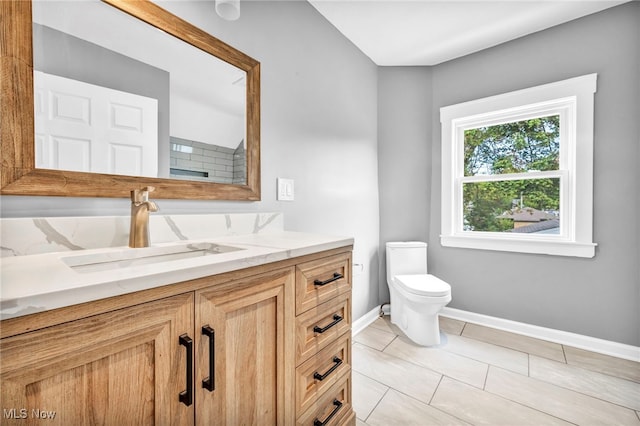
(123, 367)
(231, 339)
(323, 341)
(245, 347)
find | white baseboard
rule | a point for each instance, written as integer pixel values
(606, 347)
(364, 321)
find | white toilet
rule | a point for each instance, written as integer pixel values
(416, 297)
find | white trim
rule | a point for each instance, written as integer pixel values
(606, 347)
(573, 100)
(593, 344)
(519, 244)
(364, 321)
(550, 174)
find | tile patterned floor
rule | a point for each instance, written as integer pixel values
(483, 376)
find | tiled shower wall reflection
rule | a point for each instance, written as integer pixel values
(209, 163)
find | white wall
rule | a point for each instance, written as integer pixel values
(319, 115)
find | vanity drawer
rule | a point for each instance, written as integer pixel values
(333, 408)
(321, 280)
(323, 370)
(322, 325)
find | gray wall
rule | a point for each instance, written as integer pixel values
(597, 297)
(318, 127)
(404, 166)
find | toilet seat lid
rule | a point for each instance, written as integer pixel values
(423, 284)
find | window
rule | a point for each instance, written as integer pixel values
(517, 170)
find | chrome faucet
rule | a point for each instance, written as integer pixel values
(140, 208)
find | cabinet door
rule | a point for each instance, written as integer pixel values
(248, 325)
(123, 367)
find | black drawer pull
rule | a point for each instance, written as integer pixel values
(338, 405)
(336, 319)
(186, 397)
(336, 277)
(209, 383)
(321, 377)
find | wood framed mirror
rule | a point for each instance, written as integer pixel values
(19, 174)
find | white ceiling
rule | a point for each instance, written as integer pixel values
(428, 32)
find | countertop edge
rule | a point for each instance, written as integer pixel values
(260, 250)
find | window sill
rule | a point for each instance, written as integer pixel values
(538, 246)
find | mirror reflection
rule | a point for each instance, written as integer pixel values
(158, 107)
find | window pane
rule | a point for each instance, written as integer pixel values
(529, 206)
(515, 147)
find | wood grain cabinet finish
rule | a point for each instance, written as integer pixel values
(321, 280)
(323, 370)
(221, 350)
(252, 350)
(122, 367)
(323, 342)
(322, 325)
(334, 407)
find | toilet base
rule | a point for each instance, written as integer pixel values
(418, 319)
(421, 329)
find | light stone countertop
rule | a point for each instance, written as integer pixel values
(41, 282)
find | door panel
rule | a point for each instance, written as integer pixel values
(117, 131)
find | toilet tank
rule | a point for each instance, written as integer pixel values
(406, 258)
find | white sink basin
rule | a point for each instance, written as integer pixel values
(96, 262)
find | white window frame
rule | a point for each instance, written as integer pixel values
(573, 100)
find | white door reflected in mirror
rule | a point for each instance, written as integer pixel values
(88, 128)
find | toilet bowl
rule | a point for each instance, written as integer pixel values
(416, 297)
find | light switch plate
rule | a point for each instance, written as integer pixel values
(285, 189)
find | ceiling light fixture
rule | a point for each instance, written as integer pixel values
(228, 9)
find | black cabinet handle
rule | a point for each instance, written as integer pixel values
(336, 319)
(186, 397)
(338, 405)
(210, 382)
(321, 377)
(336, 277)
